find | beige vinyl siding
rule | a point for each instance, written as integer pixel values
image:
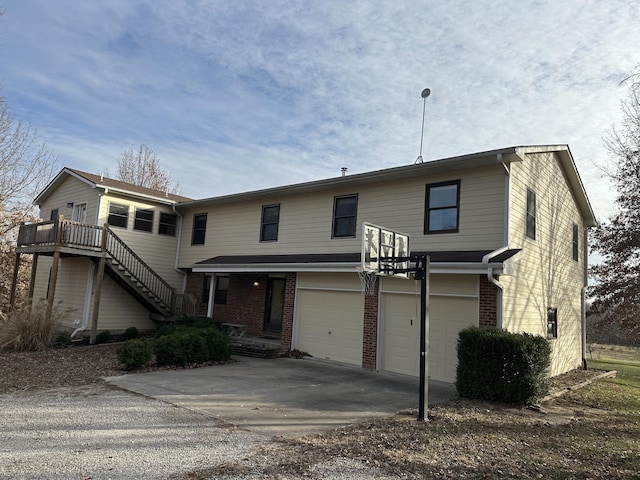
(546, 275)
(73, 191)
(306, 219)
(158, 251)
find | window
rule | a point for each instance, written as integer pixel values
(442, 207)
(118, 215)
(222, 287)
(143, 220)
(199, 229)
(54, 214)
(269, 224)
(345, 209)
(167, 224)
(531, 214)
(552, 323)
(575, 242)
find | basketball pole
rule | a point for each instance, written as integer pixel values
(423, 271)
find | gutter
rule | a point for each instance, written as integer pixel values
(178, 247)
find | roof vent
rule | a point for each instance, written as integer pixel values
(344, 171)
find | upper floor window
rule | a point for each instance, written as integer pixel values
(269, 224)
(167, 224)
(199, 229)
(118, 215)
(143, 220)
(54, 214)
(345, 209)
(575, 242)
(531, 214)
(442, 210)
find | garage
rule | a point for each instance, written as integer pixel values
(453, 306)
(329, 317)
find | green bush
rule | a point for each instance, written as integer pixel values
(217, 344)
(180, 349)
(494, 364)
(134, 354)
(131, 333)
(169, 329)
(62, 340)
(103, 337)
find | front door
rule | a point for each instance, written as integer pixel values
(79, 213)
(275, 304)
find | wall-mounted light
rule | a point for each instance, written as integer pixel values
(256, 282)
(70, 205)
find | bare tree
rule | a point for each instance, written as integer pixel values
(26, 165)
(617, 289)
(142, 167)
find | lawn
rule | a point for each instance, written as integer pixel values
(590, 433)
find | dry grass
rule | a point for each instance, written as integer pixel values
(28, 327)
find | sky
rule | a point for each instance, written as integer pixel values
(242, 95)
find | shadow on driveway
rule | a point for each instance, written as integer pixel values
(284, 396)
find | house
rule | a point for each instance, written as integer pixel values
(505, 230)
(89, 215)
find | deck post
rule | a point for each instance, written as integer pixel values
(97, 287)
(53, 280)
(32, 279)
(14, 281)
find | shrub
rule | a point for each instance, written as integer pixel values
(180, 349)
(217, 344)
(28, 328)
(103, 337)
(134, 354)
(131, 333)
(62, 340)
(169, 329)
(497, 365)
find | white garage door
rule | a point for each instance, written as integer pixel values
(401, 329)
(330, 324)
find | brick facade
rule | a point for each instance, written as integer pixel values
(488, 303)
(195, 285)
(370, 331)
(287, 314)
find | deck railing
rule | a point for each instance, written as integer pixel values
(80, 236)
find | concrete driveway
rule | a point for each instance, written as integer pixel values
(284, 396)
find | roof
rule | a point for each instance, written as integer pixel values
(332, 262)
(109, 184)
(445, 165)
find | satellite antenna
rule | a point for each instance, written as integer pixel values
(425, 93)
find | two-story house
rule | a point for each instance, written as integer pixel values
(506, 232)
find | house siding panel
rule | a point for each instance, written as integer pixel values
(546, 275)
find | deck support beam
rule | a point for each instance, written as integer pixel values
(14, 281)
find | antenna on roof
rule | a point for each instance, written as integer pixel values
(425, 93)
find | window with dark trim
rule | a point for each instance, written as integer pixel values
(531, 214)
(552, 323)
(269, 223)
(575, 243)
(199, 229)
(143, 220)
(442, 207)
(54, 214)
(118, 215)
(345, 209)
(167, 224)
(222, 287)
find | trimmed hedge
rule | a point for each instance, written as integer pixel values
(181, 349)
(494, 364)
(134, 354)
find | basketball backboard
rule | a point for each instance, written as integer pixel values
(380, 249)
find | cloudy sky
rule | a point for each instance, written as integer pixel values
(237, 95)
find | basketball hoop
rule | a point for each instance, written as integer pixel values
(367, 281)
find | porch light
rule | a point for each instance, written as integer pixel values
(256, 282)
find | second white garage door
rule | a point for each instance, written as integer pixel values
(401, 327)
(330, 324)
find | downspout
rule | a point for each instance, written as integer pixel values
(178, 246)
(585, 261)
(87, 298)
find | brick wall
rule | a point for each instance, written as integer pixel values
(289, 303)
(370, 331)
(245, 303)
(488, 303)
(195, 284)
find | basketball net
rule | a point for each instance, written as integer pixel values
(367, 281)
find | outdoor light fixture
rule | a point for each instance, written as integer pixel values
(256, 282)
(70, 205)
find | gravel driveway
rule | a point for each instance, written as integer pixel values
(99, 432)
